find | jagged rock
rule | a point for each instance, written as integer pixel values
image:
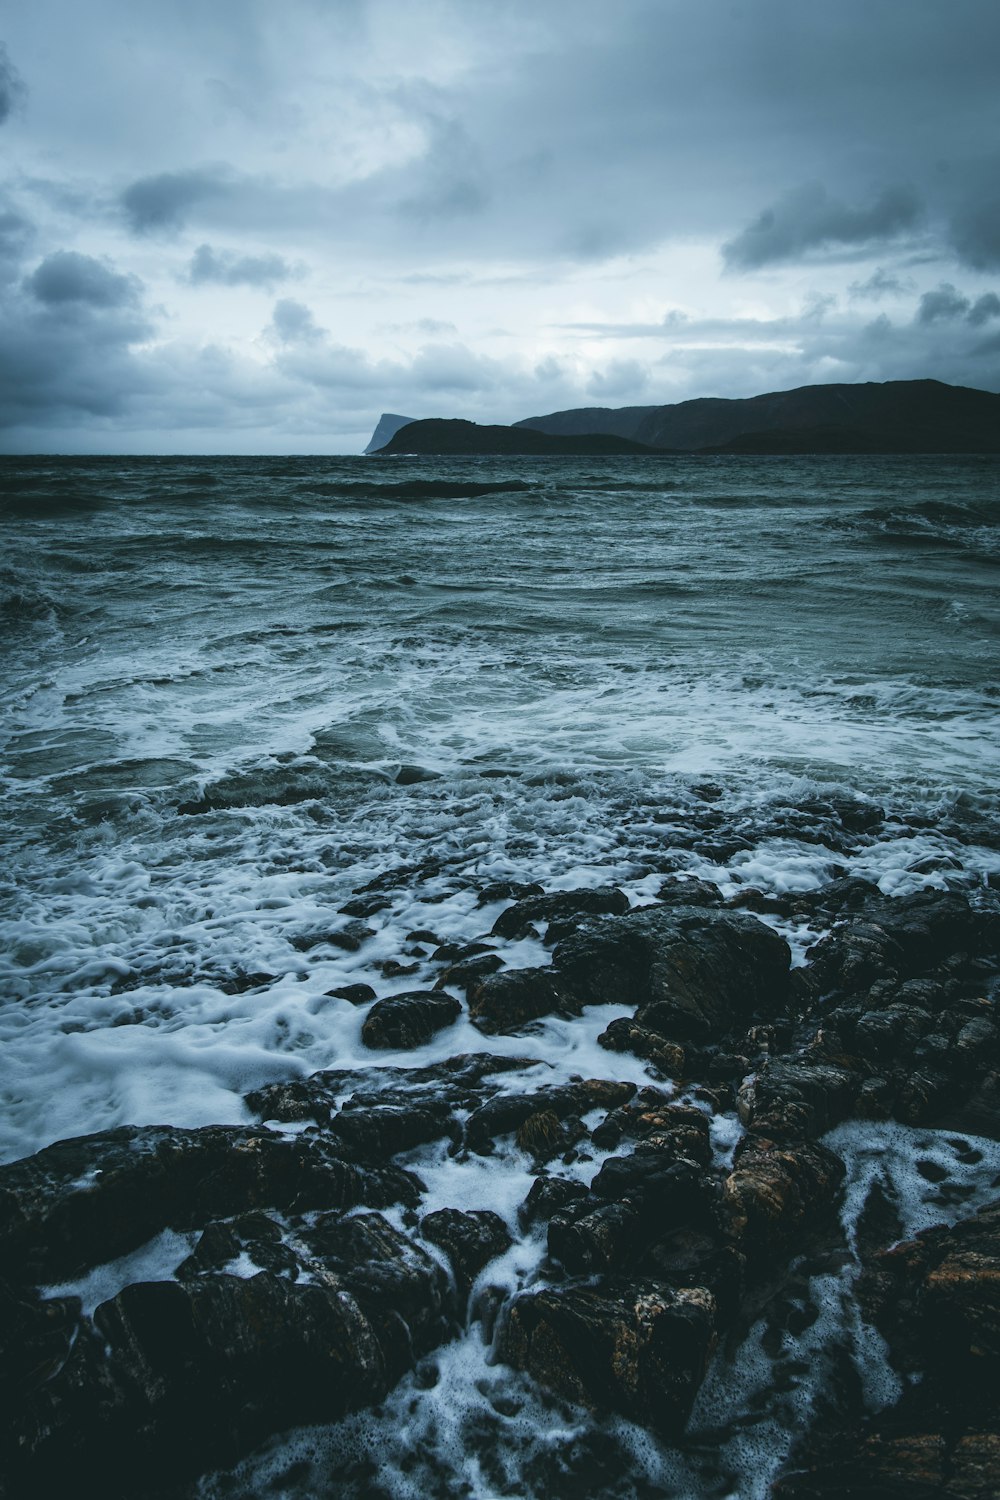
(549, 1195)
(470, 1240)
(796, 1099)
(508, 1000)
(190, 1374)
(609, 1238)
(692, 973)
(676, 1129)
(409, 1020)
(382, 1130)
(640, 1350)
(88, 1200)
(507, 1112)
(36, 1337)
(564, 908)
(626, 1035)
(664, 1189)
(543, 1135)
(778, 1195)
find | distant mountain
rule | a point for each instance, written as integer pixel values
(387, 426)
(898, 416)
(445, 435)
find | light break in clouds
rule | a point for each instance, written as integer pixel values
(240, 227)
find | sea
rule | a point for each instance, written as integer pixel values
(236, 691)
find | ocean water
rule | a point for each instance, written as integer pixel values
(212, 673)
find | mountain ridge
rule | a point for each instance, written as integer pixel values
(894, 416)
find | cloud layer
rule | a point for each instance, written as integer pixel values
(230, 225)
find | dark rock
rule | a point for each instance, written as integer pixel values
(35, 1339)
(382, 1130)
(240, 983)
(414, 775)
(640, 1350)
(508, 1000)
(679, 891)
(365, 905)
(354, 994)
(393, 968)
(468, 972)
(88, 1200)
(778, 1196)
(409, 1020)
(508, 890)
(470, 1241)
(796, 1099)
(679, 1130)
(664, 1189)
(348, 938)
(543, 1135)
(626, 1035)
(609, 1238)
(191, 1374)
(692, 973)
(507, 1112)
(563, 907)
(550, 1195)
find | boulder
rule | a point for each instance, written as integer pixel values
(409, 1020)
(639, 1349)
(88, 1200)
(564, 909)
(469, 1240)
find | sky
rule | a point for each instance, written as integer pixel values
(242, 226)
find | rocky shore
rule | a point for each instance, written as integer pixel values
(308, 1276)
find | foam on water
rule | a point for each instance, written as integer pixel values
(211, 675)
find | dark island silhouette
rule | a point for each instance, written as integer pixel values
(895, 416)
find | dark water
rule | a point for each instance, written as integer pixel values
(213, 669)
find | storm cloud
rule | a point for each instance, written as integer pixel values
(809, 219)
(485, 211)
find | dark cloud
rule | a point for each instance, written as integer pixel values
(166, 200)
(880, 283)
(16, 236)
(228, 268)
(975, 229)
(809, 219)
(985, 307)
(12, 89)
(293, 323)
(69, 277)
(944, 303)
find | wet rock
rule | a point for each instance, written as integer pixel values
(383, 1130)
(664, 1189)
(414, 775)
(626, 1035)
(650, 1117)
(354, 994)
(609, 1238)
(409, 1020)
(778, 1196)
(788, 1100)
(189, 1374)
(506, 1113)
(550, 1195)
(679, 891)
(469, 971)
(565, 908)
(36, 1337)
(470, 1241)
(349, 939)
(85, 1201)
(508, 890)
(691, 973)
(639, 1350)
(543, 1135)
(507, 1001)
(366, 905)
(907, 1467)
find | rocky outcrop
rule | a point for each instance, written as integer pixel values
(410, 1020)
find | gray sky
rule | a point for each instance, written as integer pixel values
(245, 226)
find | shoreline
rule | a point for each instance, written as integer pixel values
(692, 1198)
